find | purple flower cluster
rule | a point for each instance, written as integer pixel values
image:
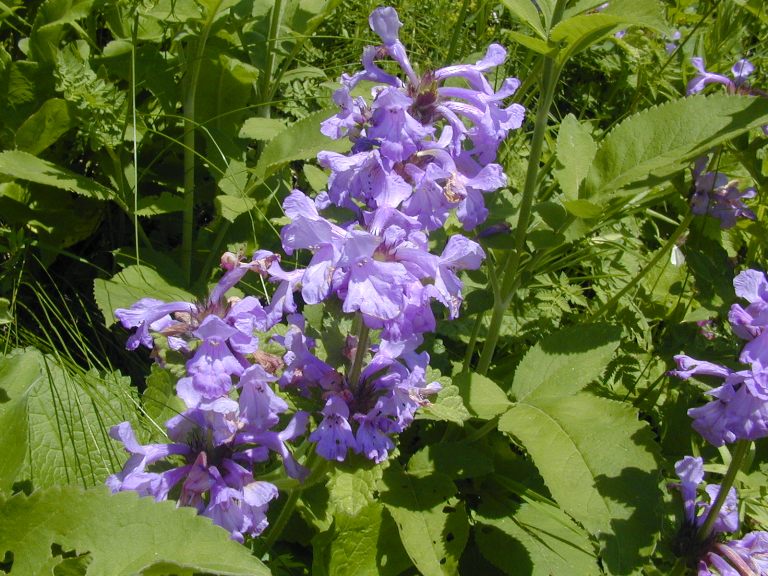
(231, 412)
(714, 194)
(740, 408)
(421, 151)
(748, 555)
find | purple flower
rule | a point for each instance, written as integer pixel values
(717, 196)
(690, 470)
(740, 72)
(334, 435)
(737, 557)
(750, 322)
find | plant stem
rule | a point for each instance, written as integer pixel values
(360, 351)
(741, 449)
(264, 86)
(456, 31)
(189, 145)
(679, 231)
(551, 73)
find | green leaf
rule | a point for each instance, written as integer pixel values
(123, 533)
(482, 396)
(580, 32)
(5, 309)
(534, 44)
(166, 203)
(575, 151)
(131, 285)
(525, 11)
(13, 442)
(432, 523)
(23, 166)
(231, 207)
(45, 126)
(261, 128)
(564, 362)
(448, 406)
(365, 543)
(599, 463)
(533, 538)
(454, 459)
(664, 139)
(351, 491)
(583, 209)
(159, 399)
(67, 419)
(48, 28)
(300, 141)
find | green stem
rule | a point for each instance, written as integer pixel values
(264, 86)
(189, 146)
(456, 32)
(679, 231)
(512, 266)
(360, 353)
(471, 344)
(741, 449)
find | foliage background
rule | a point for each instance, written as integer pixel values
(142, 138)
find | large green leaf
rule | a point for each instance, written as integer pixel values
(122, 533)
(361, 544)
(664, 139)
(67, 419)
(564, 362)
(533, 538)
(132, 284)
(453, 459)
(599, 463)
(432, 523)
(575, 151)
(49, 25)
(482, 396)
(23, 166)
(300, 141)
(526, 12)
(45, 126)
(580, 32)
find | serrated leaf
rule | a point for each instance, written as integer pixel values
(131, 285)
(564, 362)
(575, 151)
(67, 417)
(482, 396)
(23, 166)
(159, 398)
(582, 31)
(261, 128)
(666, 138)
(149, 534)
(536, 539)
(454, 459)
(351, 491)
(448, 406)
(13, 441)
(300, 141)
(526, 12)
(166, 203)
(366, 543)
(599, 463)
(45, 126)
(432, 523)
